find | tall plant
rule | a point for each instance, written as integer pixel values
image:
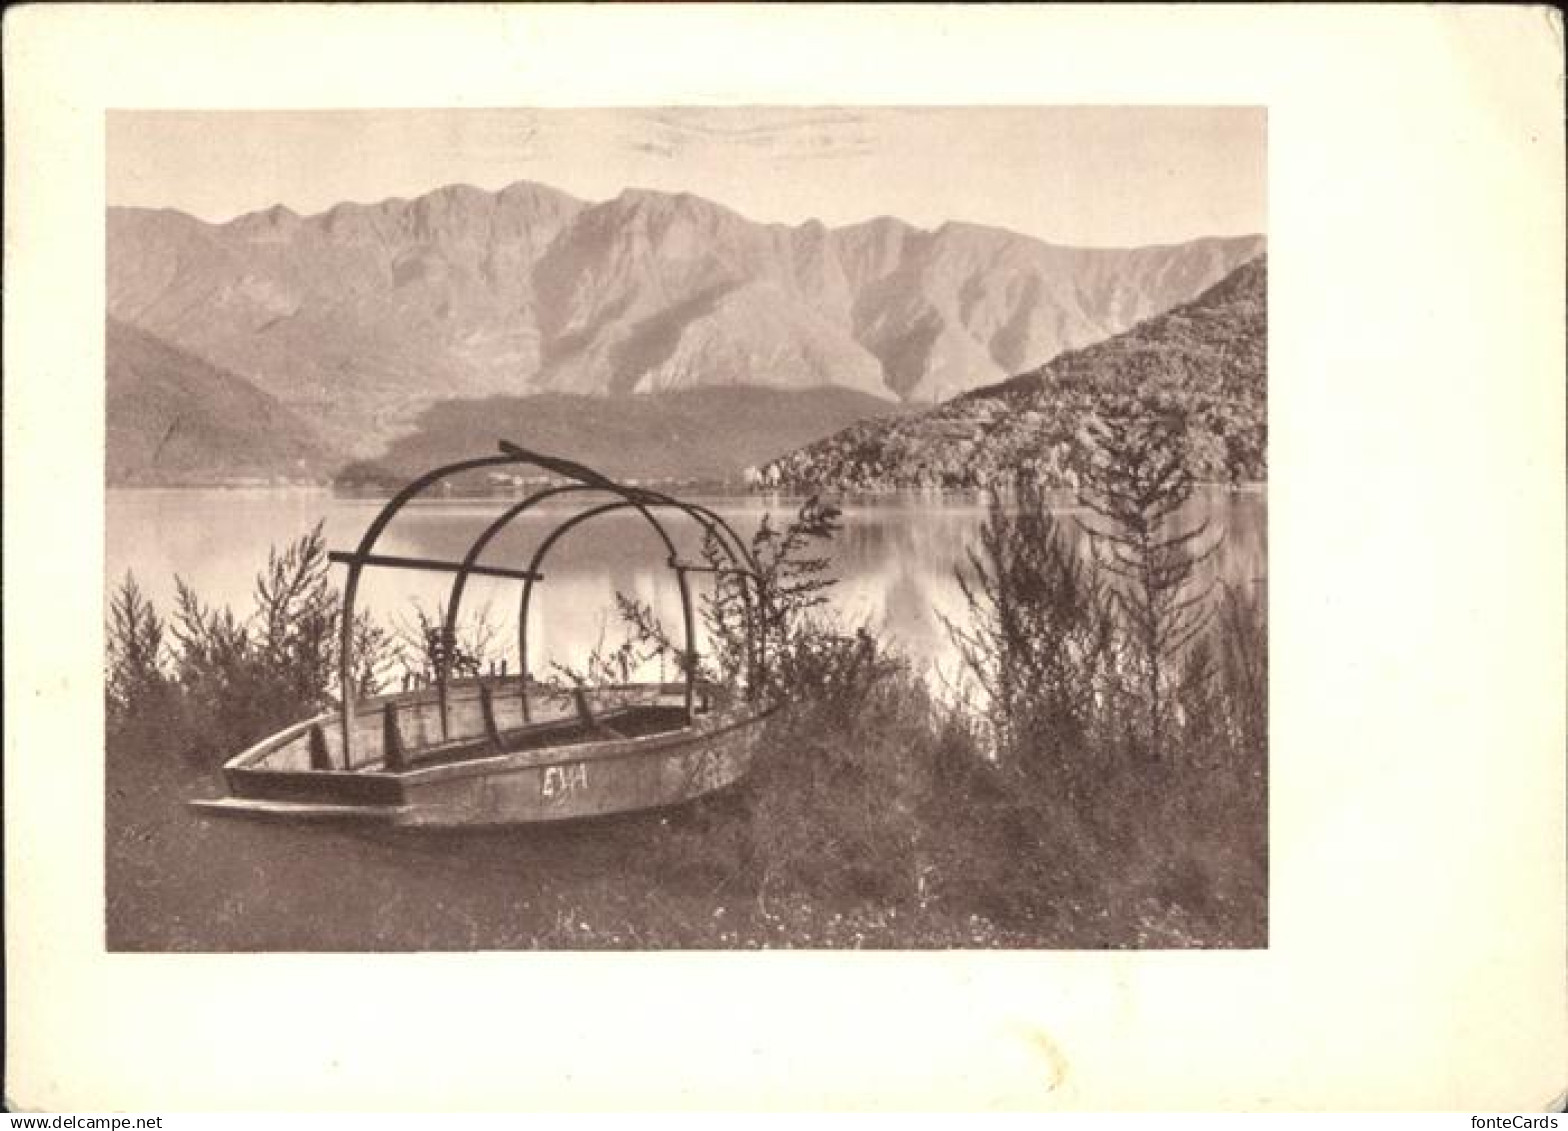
(215, 681)
(763, 635)
(424, 647)
(1137, 486)
(135, 675)
(1036, 639)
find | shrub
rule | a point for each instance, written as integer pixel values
(1137, 486)
(832, 808)
(208, 683)
(766, 632)
(1036, 643)
(424, 646)
(1244, 666)
(134, 673)
(1115, 786)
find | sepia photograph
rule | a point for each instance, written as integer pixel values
(784, 558)
(686, 528)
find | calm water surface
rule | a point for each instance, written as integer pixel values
(894, 560)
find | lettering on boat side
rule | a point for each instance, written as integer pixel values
(561, 782)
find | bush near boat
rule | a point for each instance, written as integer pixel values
(1093, 781)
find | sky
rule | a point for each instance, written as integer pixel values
(1083, 176)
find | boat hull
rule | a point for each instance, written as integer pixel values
(635, 751)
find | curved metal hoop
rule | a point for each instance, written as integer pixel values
(681, 570)
(738, 552)
(362, 557)
(470, 563)
(584, 479)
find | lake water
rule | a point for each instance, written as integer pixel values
(894, 559)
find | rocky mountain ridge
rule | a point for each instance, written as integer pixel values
(361, 316)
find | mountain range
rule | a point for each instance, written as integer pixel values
(1206, 360)
(360, 318)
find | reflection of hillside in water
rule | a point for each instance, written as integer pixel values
(897, 566)
(895, 559)
(897, 574)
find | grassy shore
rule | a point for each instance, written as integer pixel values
(1098, 779)
(693, 877)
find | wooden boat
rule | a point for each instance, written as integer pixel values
(503, 750)
(607, 751)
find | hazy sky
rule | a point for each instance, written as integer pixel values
(1072, 175)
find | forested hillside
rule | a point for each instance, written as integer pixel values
(1206, 361)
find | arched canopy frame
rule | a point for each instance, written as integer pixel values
(582, 480)
(682, 569)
